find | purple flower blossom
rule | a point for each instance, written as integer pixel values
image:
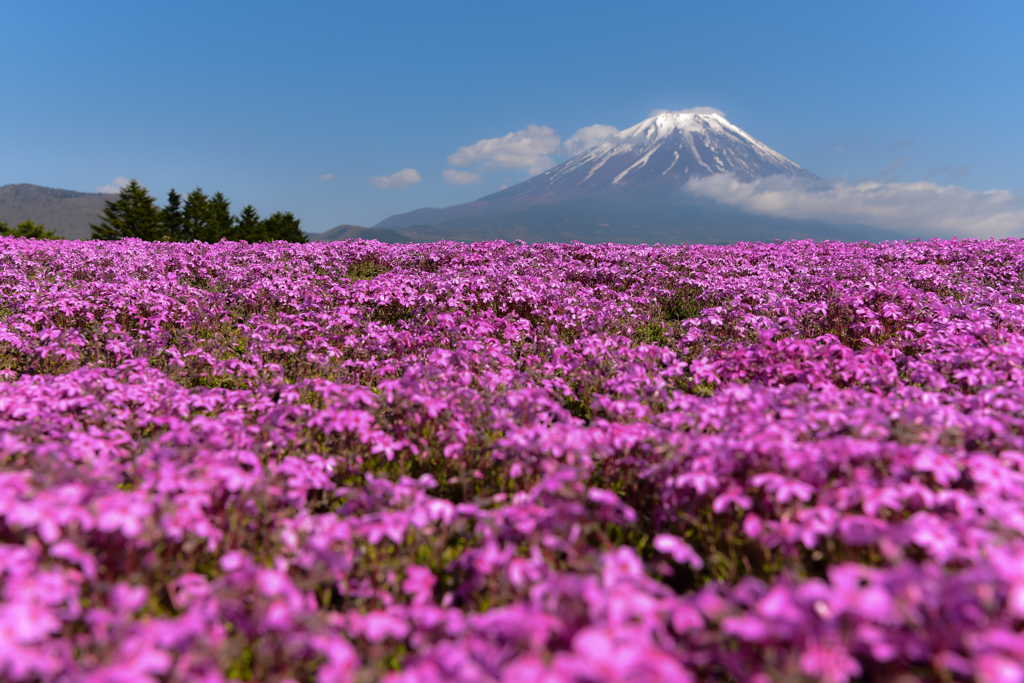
(680, 550)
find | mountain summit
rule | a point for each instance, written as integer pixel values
(665, 150)
(631, 188)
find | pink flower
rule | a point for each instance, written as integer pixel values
(778, 606)
(233, 561)
(746, 627)
(603, 497)
(341, 658)
(419, 583)
(26, 622)
(273, 583)
(128, 599)
(680, 550)
(377, 625)
(124, 512)
(622, 563)
(530, 668)
(752, 525)
(832, 663)
(996, 668)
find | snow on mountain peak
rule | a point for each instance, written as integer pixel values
(665, 150)
(687, 143)
(664, 123)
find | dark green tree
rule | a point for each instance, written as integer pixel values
(171, 218)
(197, 217)
(285, 227)
(28, 229)
(222, 223)
(249, 227)
(134, 214)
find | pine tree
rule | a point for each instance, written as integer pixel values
(284, 226)
(134, 214)
(197, 216)
(200, 218)
(249, 227)
(171, 218)
(222, 223)
(28, 229)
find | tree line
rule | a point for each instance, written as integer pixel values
(28, 229)
(199, 218)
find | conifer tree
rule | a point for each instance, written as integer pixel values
(285, 227)
(134, 214)
(28, 229)
(249, 227)
(200, 218)
(222, 223)
(197, 216)
(171, 218)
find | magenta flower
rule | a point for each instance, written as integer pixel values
(376, 626)
(996, 668)
(678, 549)
(829, 662)
(123, 512)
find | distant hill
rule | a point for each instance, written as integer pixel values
(345, 232)
(65, 212)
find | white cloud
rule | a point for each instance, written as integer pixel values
(923, 207)
(407, 176)
(325, 176)
(588, 137)
(691, 110)
(453, 177)
(113, 187)
(527, 149)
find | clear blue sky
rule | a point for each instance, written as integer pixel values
(260, 99)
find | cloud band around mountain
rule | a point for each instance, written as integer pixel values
(918, 207)
(403, 178)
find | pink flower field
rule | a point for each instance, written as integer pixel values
(501, 462)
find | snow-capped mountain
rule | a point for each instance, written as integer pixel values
(632, 188)
(659, 154)
(666, 149)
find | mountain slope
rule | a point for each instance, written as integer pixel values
(65, 212)
(629, 220)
